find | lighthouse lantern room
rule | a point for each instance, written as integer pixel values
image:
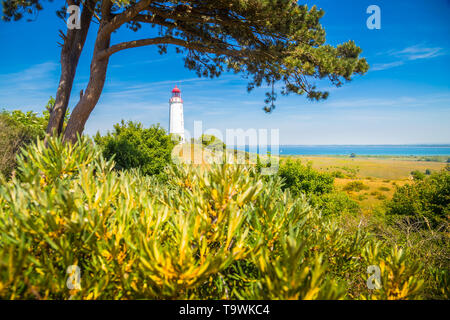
(176, 121)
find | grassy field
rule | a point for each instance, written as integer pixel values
(199, 155)
(373, 191)
(379, 176)
(393, 168)
(191, 153)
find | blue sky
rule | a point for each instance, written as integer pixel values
(403, 99)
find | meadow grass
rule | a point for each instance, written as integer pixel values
(381, 174)
(392, 168)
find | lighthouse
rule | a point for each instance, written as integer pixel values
(176, 122)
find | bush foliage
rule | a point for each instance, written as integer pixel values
(221, 232)
(301, 178)
(318, 186)
(133, 146)
(426, 199)
(17, 129)
(355, 186)
(212, 142)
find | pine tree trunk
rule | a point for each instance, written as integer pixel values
(88, 101)
(70, 54)
(56, 120)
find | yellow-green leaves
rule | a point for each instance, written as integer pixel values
(400, 278)
(217, 232)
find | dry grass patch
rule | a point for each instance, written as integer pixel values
(374, 192)
(386, 169)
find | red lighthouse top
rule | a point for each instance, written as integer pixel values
(176, 95)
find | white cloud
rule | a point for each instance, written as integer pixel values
(30, 87)
(30, 78)
(384, 66)
(416, 52)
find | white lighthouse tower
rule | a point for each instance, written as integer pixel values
(176, 121)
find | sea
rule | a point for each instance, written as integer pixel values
(378, 150)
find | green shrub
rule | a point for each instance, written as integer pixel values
(429, 247)
(355, 186)
(426, 199)
(381, 197)
(336, 203)
(350, 172)
(301, 178)
(337, 174)
(215, 233)
(17, 129)
(133, 146)
(362, 197)
(212, 142)
(417, 175)
(318, 186)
